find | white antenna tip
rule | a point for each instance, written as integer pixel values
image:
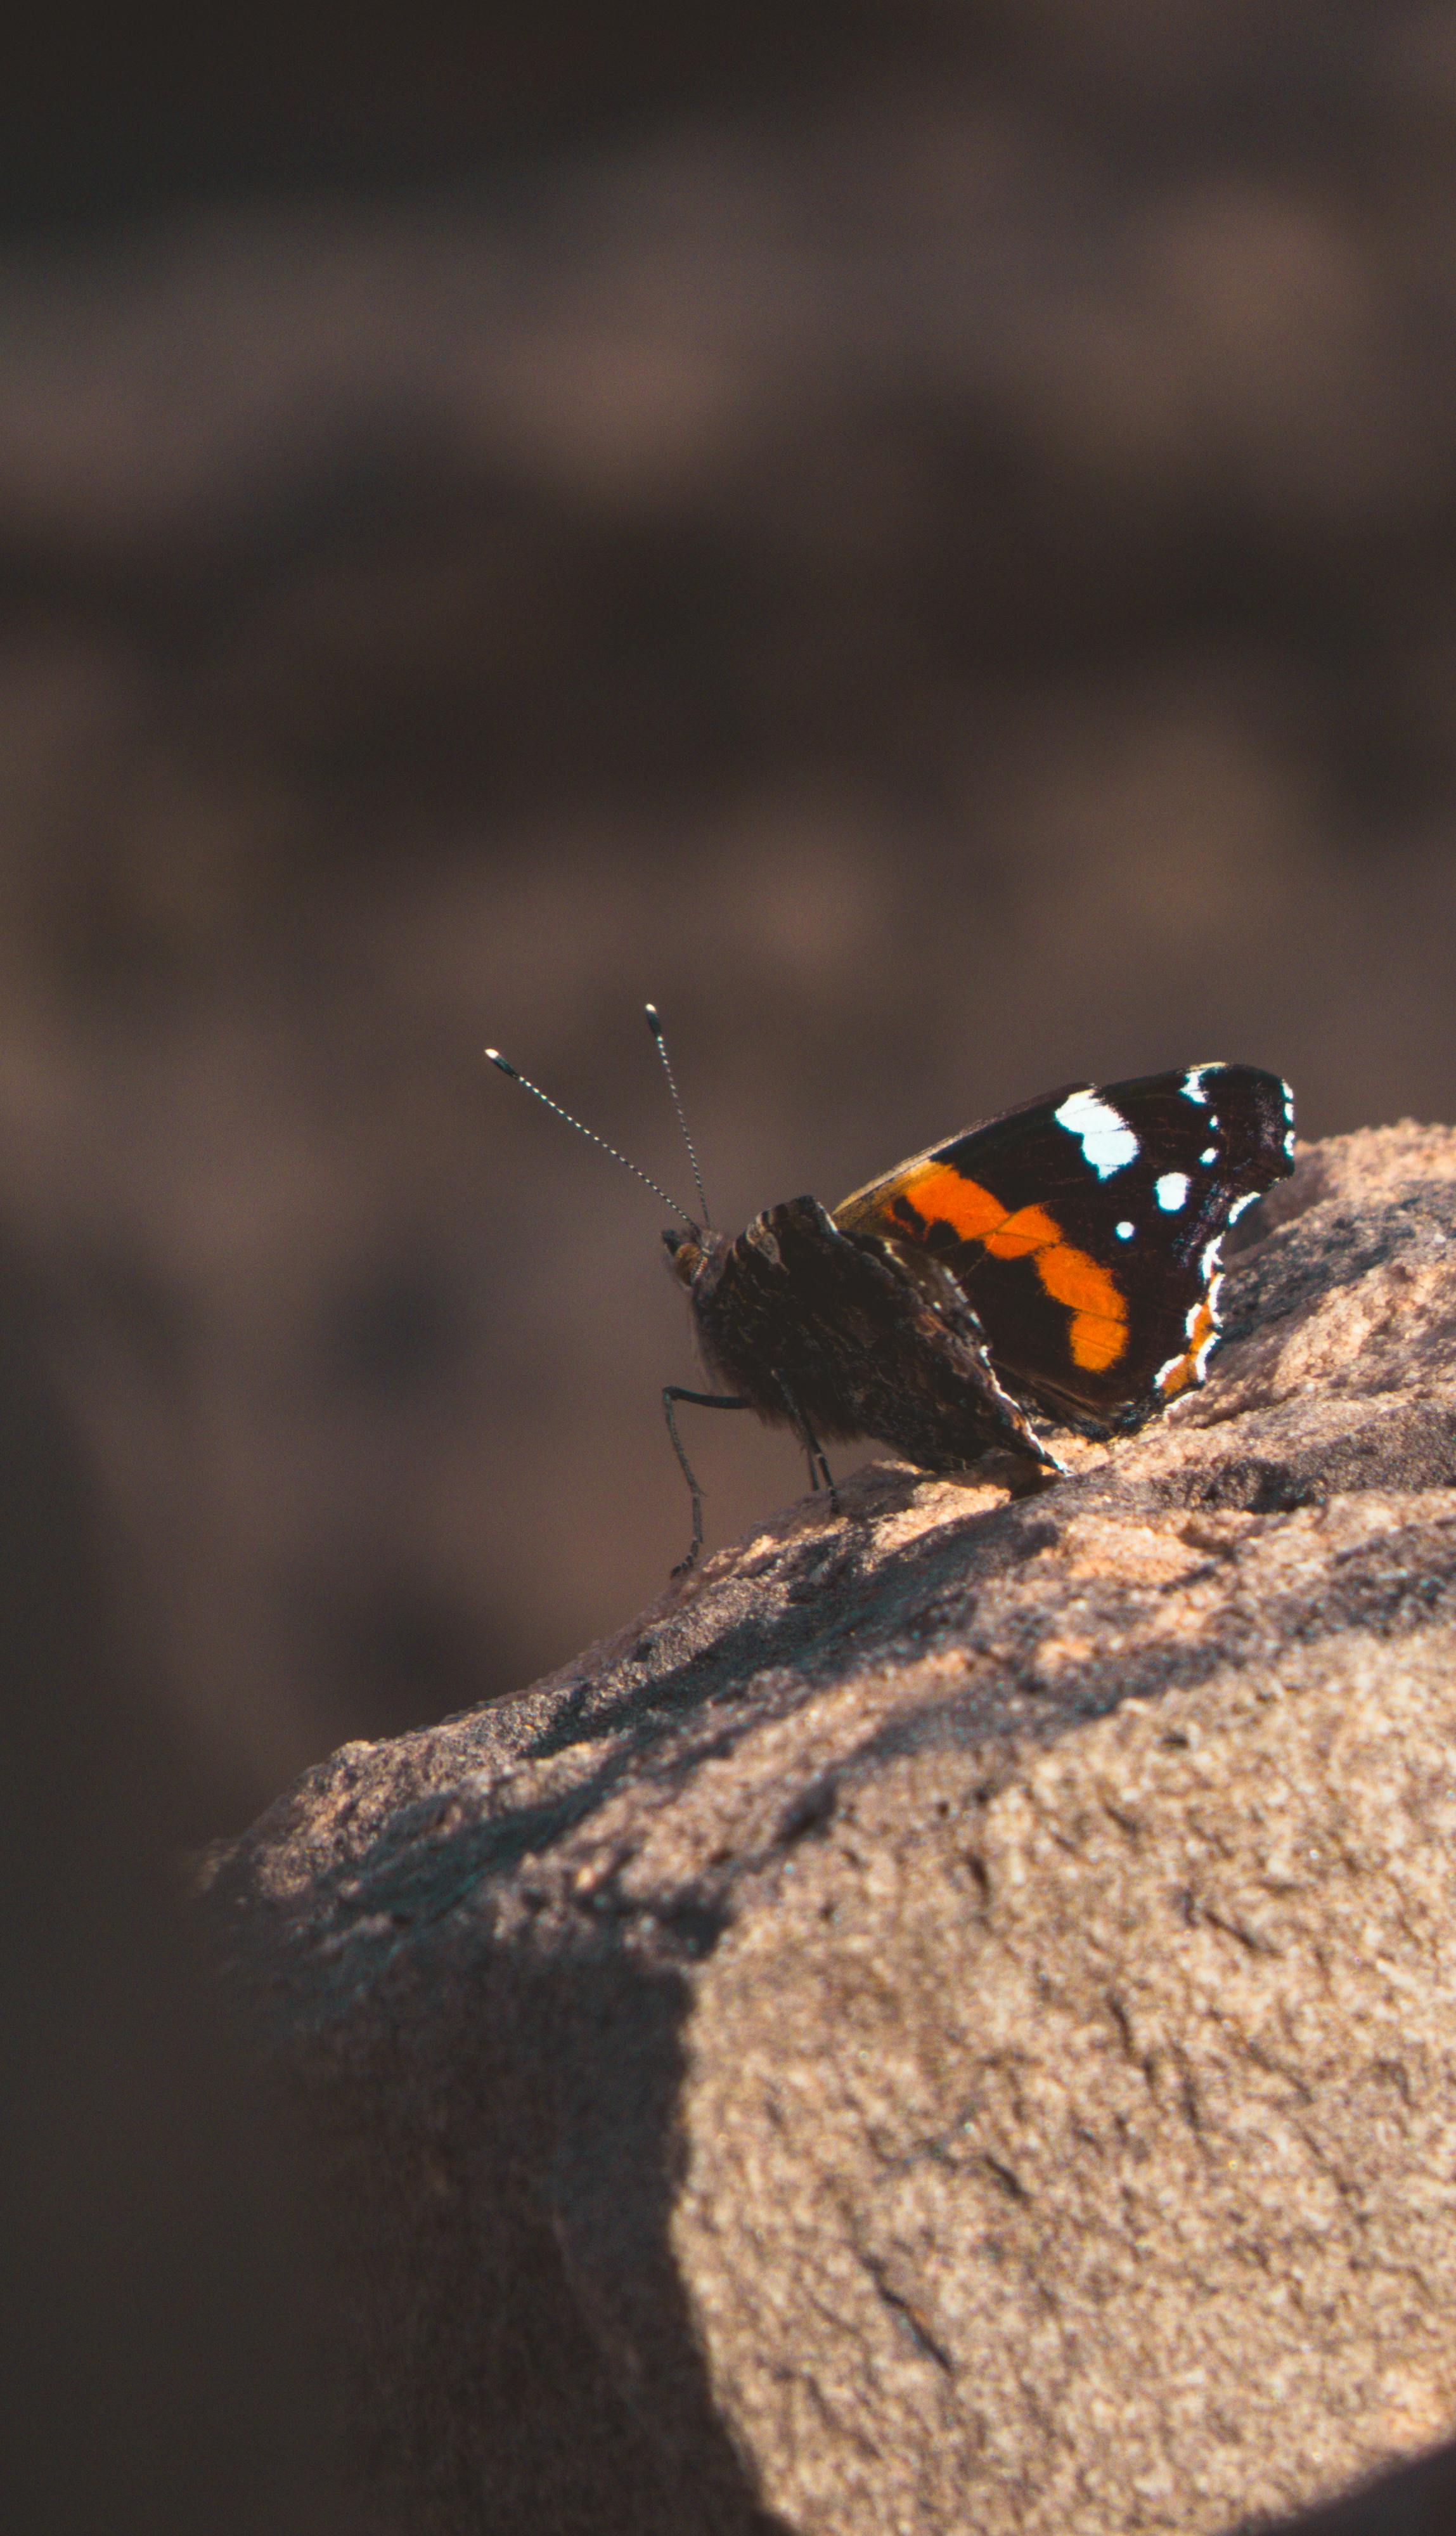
(496, 1058)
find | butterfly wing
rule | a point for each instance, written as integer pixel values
(1085, 1229)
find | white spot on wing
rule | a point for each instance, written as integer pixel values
(1123, 1231)
(1108, 1142)
(1193, 1083)
(1172, 1190)
(1210, 1153)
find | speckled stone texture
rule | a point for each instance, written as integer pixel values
(946, 2023)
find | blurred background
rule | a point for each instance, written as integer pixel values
(922, 536)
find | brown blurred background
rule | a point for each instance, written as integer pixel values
(922, 536)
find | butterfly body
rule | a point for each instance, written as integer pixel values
(1063, 1259)
(842, 1334)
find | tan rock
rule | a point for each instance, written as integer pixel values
(946, 2023)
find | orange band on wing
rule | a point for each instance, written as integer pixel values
(1026, 1234)
(1075, 1278)
(1098, 1336)
(1094, 1338)
(952, 1199)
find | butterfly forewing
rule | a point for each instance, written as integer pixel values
(1085, 1227)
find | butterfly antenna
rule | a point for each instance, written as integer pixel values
(654, 1023)
(505, 1067)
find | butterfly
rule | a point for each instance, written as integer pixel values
(1061, 1260)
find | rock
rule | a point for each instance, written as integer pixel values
(945, 2023)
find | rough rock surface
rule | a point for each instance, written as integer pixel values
(946, 2022)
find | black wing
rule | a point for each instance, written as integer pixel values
(1086, 1227)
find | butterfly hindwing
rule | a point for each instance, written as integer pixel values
(1085, 1229)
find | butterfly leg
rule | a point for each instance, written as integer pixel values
(698, 1400)
(813, 1449)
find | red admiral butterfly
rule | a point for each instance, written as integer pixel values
(1062, 1257)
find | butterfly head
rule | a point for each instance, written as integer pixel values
(696, 1256)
